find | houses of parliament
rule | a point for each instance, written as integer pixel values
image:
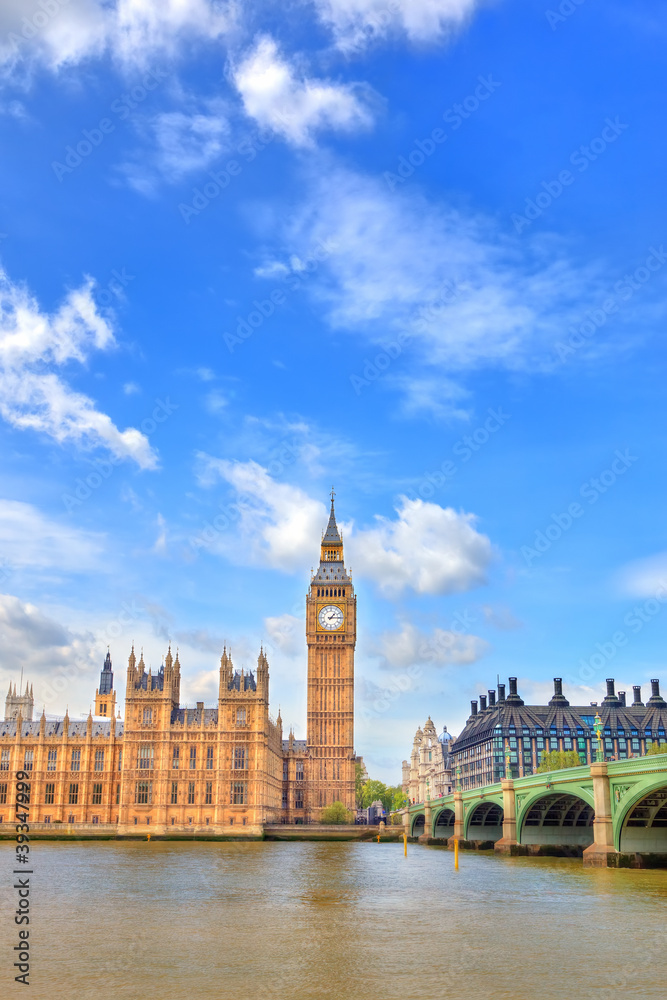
(195, 769)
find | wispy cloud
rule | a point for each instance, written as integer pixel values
(356, 23)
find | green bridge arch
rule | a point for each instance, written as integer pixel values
(625, 798)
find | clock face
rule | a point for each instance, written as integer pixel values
(330, 617)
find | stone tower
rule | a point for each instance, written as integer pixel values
(105, 696)
(331, 634)
(22, 704)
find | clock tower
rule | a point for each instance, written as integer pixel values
(331, 633)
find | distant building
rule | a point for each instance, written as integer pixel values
(19, 704)
(428, 774)
(478, 753)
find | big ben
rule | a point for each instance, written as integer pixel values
(331, 633)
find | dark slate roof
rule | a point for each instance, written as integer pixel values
(248, 682)
(331, 535)
(559, 715)
(55, 727)
(157, 681)
(299, 745)
(331, 572)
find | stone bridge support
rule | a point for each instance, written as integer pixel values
(458, 820)
(597, 855)
(508, 839)
(428, 824)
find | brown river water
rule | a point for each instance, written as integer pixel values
(306, 921)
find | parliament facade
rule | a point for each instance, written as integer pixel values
(172, 768)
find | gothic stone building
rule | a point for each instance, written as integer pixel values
(478, 753)
(174, 768)
(428, 773)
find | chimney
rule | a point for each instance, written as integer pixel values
(501, 693)
(611, 691)
(492, 698)
(637, 690)
(558, 698)
(473, 708)
(621, 698)
(513, 696)
(482, 703)
(656, 698)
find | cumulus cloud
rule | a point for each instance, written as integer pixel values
(462, 295)
(441, 647)
(427, 548)
(275, 523)
(278, 95)
(355, 23)
(33, 346)
(132, 31)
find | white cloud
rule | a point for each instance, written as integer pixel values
(357, 22)
(462, 294)
(30, 539)
(33, 345)
(280, 96)
(133, 31)
(276, 524)
(645, 577)
(130, 388)
(428, 548)
(181, 142)
(441, 647)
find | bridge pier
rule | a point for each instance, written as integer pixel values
(427, 835)
(508, 839)
(598, 855)
(458, 821)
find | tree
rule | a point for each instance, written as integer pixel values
(335, 813)
(400, 799)
(358, 785)
(371, 791)
(557, 760)
(656, 748)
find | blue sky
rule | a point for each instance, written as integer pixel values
(410, 248)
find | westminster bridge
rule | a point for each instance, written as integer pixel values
(610, 813)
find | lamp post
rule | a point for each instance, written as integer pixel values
(458, 777)
(597, 726)
(508, 761)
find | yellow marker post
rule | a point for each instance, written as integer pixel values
(405, 844)
(148, 836)
(456, 855)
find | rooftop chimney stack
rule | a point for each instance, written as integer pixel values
(656, 698)
(501, 693)
(637, 690)
(492, 698)
(621, 698)
(473, 707)
(482, 703)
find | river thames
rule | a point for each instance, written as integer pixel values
(307, 921)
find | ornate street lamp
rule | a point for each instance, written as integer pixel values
(508, 761)
(597, 726)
